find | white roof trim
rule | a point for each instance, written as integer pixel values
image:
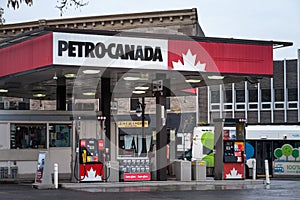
(273, 132)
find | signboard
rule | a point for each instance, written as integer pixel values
(101, 145)
(43, 178)
(137, 177)
(40, 167)
(132, 124)
(109, 51)
(234, 171)
(286, 168)
(203, 144)
(91, 172)
(216, 55)
(220, 57)
(161, 54)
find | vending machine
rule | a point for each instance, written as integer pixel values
(91, 160)
(234, 149)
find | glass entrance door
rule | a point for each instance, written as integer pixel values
(264, 151)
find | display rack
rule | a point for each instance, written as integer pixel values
(134, 168)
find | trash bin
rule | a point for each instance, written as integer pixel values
(199, 170)
(3, 172)
(14, 172)
(183, 170)
(113, 171)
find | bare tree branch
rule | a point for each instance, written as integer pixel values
(61, 5)
(15, 4)
(64, 4)
(2, 20)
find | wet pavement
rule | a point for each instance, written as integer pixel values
(278, 190)
(169, 188)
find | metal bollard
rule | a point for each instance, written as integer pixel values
(56, 175)
(254, 170)
(267, 172)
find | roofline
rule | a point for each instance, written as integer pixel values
(274, 124)
(45, 30)
(108, 17)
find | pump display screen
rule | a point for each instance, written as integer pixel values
(234, 151)
(90, 150)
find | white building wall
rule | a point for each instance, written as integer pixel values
(5, 137)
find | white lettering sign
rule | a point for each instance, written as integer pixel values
(286, 168)
(109, 51)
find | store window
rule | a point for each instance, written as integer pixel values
(240, 96)
(227, 100)
(25, 136)
(266, 95)
(134, 145)
(253, 97)
(168, 103)
(279, 95)
(292, 94)
(266, 99)
(228, 96)
(215, 96)
(60, 135)
(133, 103)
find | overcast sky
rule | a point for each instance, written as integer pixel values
(277, 20)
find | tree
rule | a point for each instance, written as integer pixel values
(2, 20)
(207, 139)
(62, 5)
(278, 153)
(16, 3)
(287, 150)
(295, 153)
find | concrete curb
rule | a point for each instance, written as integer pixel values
(161, 183)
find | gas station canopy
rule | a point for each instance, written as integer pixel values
(35, 61)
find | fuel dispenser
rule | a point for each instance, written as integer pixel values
(91, 159)
(229, 148)
(234, 148)
(91, 154)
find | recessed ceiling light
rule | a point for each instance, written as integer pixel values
(215, 77)
(55, 77)
(39, 95)
(138, 92)
(70, 75)
(131, 78)
(89, 93)
(193, 81)
(141, 88)
(3, 90)
(91, 71)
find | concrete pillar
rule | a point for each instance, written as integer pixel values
(61, 94)
(161, 130)
(161, 140)
(218, 141)
(105, 107)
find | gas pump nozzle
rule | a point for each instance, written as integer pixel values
(84, 156)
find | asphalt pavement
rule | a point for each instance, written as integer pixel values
(277, 190)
